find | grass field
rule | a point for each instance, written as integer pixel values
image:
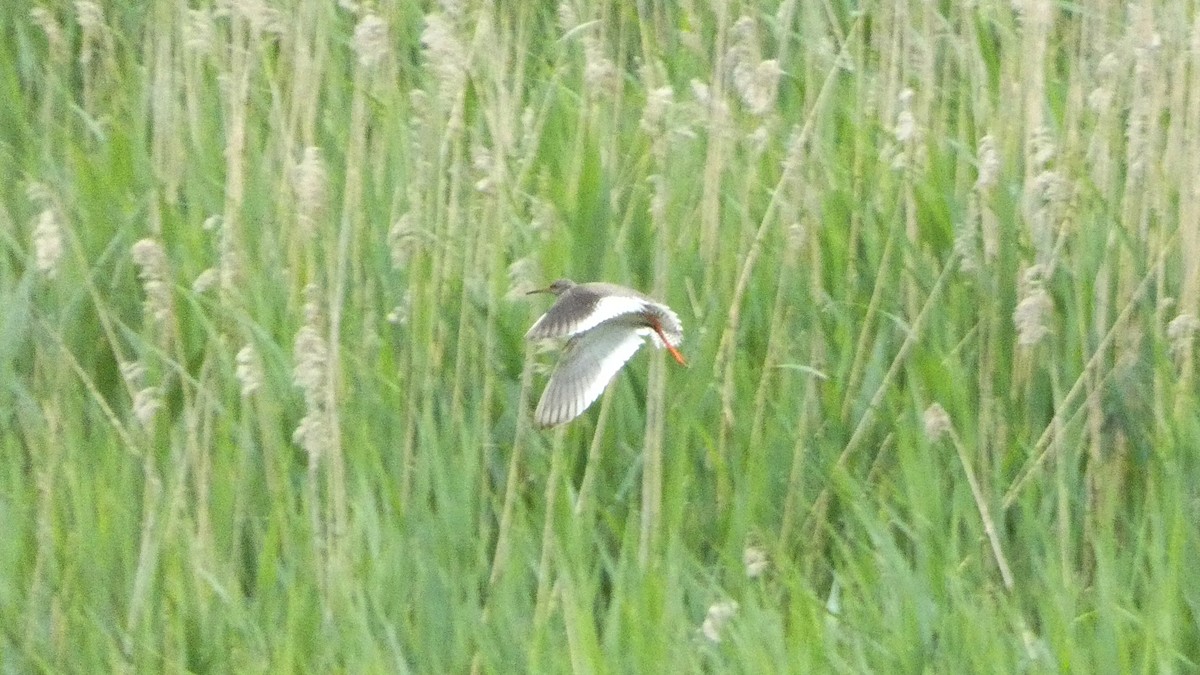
(265, 396)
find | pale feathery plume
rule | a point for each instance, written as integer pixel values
(1042, 148)
(1049, 192)
(1100, 98)
(1181, 332)
(523, 276)
(146, 404)
(1037, 657)
(147, 400)
(664, 116)
(483, 164)
(908, 135)
(47, 243)
(151, 261)
(54, 34)
(1031, 317)
(754, 559)
(402, 241)
(743, 50)
(1033, 12)
(199, 32)
(966, 248)
(310, 374)
(906, 125)
(370, 41)
(1051, 188)
(455, 9)
(1032, 314)
(758, 87)
(262, 17)
(90, 17)
(567, 19)
(797, 237)
(658, 199)
(759, 139)
(756, 81)
(937, 422)
(545, 217)
(989, 164)
(310, 184)
(714, 108)
(402, 312)
(445, 55)
(793, 161)
(978, 241)
(718, 616)
(134, 373)
(600, 73)
(206, 281)
(227, 267)
(1140, 119)
(530, 132)
(423, 123)
(658, 106)
(688, 29)
(248, 370)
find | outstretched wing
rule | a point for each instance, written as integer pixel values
(588, 364)
(582, 311)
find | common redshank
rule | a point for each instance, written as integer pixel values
(606, 324)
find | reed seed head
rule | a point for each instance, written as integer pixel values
(937, 422)
(200, 32)
(249, 370)
(146, 403)
(371, 40)
(151, 261)
(1032, 317)
(310, 183)
(989, 164)
(206, 281)
(310, 373)
(1181, 332)
(445, 55)
(600, 74)
(718, 616)
(55, 38)
(754, 558)
(47, 243)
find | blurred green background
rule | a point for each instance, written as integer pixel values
(265, 396)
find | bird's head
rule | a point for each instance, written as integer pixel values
(557, 288)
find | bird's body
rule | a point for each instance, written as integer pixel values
(606, 325)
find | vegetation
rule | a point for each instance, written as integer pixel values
(265, 395)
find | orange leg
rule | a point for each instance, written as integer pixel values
(670, 347)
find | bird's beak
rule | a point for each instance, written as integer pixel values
(538, 290)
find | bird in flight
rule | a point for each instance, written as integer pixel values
(605, 325)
